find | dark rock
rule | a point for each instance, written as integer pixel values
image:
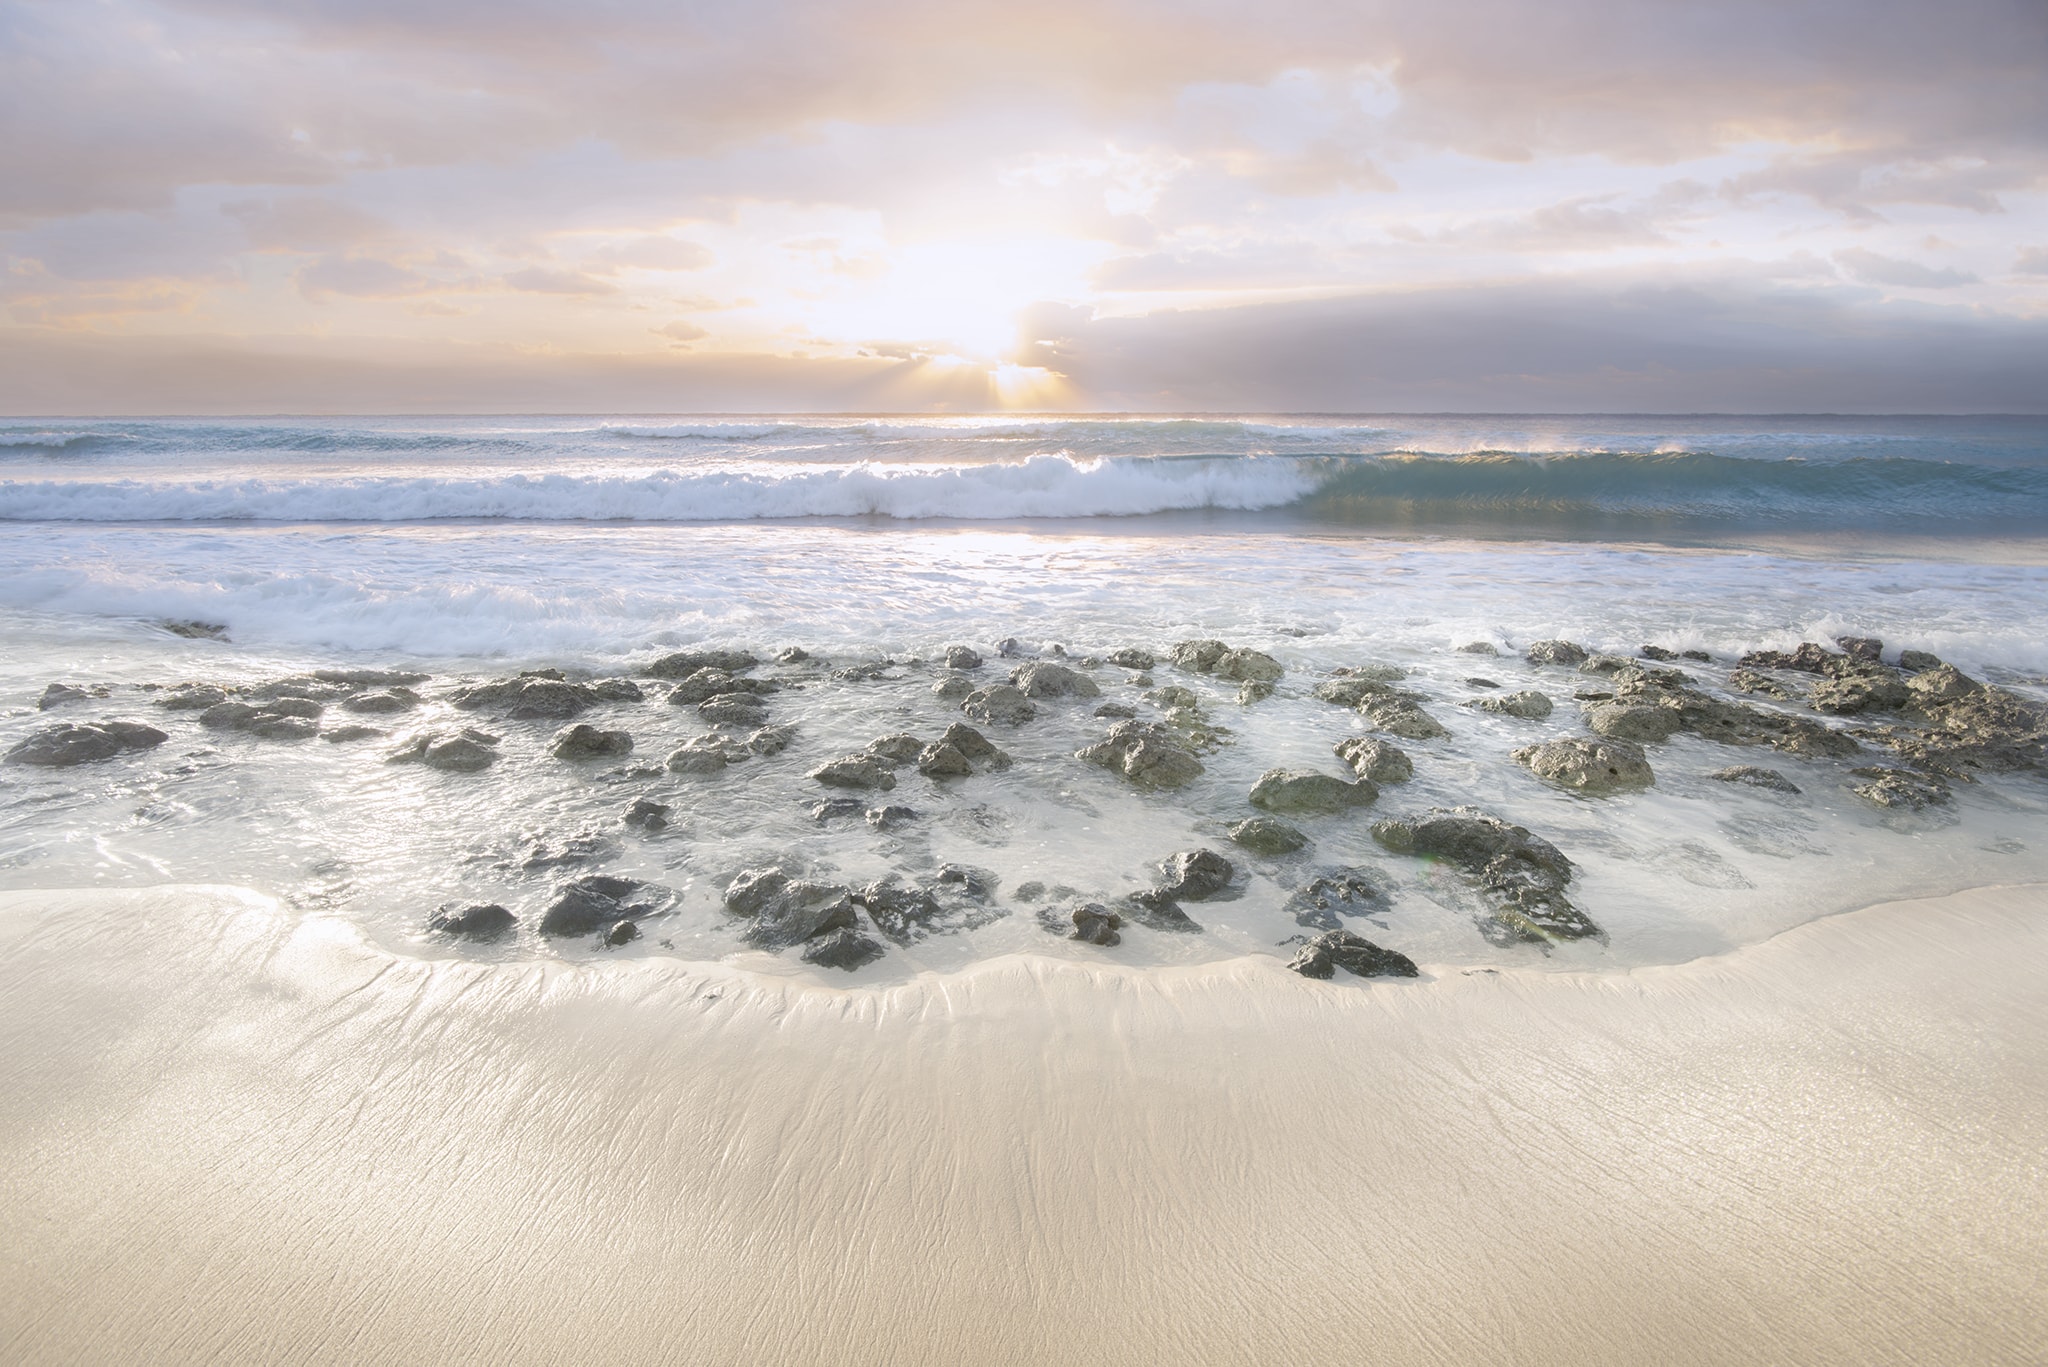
(1380, 761)
(272, 727)
(1266, 835)
(1861, 647)
(866, 671)
(1157, 909)
(770, 740)
(1482, 683)
(1305, 790)
(370, 678)
(1658, 653)
(621, 932)
(783, 911)
(583, 741)
(1636, 722)
(1096, 924)
(486, 921)
(1132, 658)
(855, 771)
(586, 847)
(963, 657)
(1400, 717)
(1522, 876)
(902, 911)
(733, 709)
(891, 817)
(1116, 711)
(1861, 687)
(464, 753)
(1528, 704)
(1335, 949)
(597, 901)
(1750, 774)
(192, 697)
(832, 808)
(385, 702)
(940, 760)
(1913, 661)
(1244, 665)
(1004, 704)
(795, 655)
(1044, 679)
(195, 631)
(528, 698)
(1808, 658)
(1730, 723)
(1593, 767)
(56, 695)
(1347, 892)
(1010, 648)
(844, 949)
(617, 690)
(1199, 656)
(1555, 653)
(702, 686)
(647, 814)
(1147, 754)
(1699, 655)
(342, 735)
(68, 743)
(1196, 875)
(900, 748)
(683, 663)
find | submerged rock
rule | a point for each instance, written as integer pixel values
(583, 741)
(1769, 779)
(1003, 704)
(343, 735)
(647, 814)
(1522, 876)
(1381, 761)
(844, 948)
(599, 901)
(733, 709)
(1592, 767)
(69, 743)
(770, 740)
(1335, 949)
(782, 911)
(1268, 835)
(621, 932)
(384, 702)
(1901, 788)
(890, 817)
(1352, 690)
(1399, 717)
(1527, 704)
(192, 698)
(1305, 790)
(683, 663)
(485, 921)
(1146, 753)
(1096, 924)
(1157, 909)
(57, 695)
(1347, 892)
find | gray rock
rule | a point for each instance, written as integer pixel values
(1592, 767)
(733, 709)
(1156, 909)
(1527, 704)
(68, 743)
(1116, 711)
(1306, 790)
(1196, 875)
(1659, 653)
(683, 663)
(1400, 717)
(1346, 892)
(1254, 690)
(866, 671)
(702, 686)
(647, 814)
(782, 911)
(1266, 835)
(963, 657)
(621, 932)
(485, 921)
(1147, 754)
(771, 740)
(1555, 653)
(1914, 661)
(833, 808)
(1245, 665)
(369, 678)
(343, 735)
(195, 631)
(940, 760)
(192, 698)
(1129, 657)
(1939, 684)
(1861, 647)
(794, 655)
(1605, 664)
(385, 702)
(899, 748)
(1095, 924)
(1750, 774)
(1522, 876)
(529, 698)
(702, 755)
(855, 771)
(271, 727)
(969, 742)
(1635, 722)
(1479, 648)
(458, 754)
(1002, 704)
(1901, 788)
(1865, 687)
(1199, 656)
(598, 901)
(952, 687)
(56, 695)
(583, 741)
(902, 911)
(1807, 658)
(843, 949)
(1044, 679)
(891, 817)
(1351, 690)
(617, 690)
(1381, 761)
(1335, 949)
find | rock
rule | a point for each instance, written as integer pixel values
(269, 727)
(647, 814)
(1699, 655)
(899, 748)
(794, 655)
(866, 671)
(963, 657)
(1116, 711)
(952, 687)
(1901, 788)
(598, 901)
(1530, 705)
(844, 948)
(369, 678)
(1750, 774)
(463, 753)
(1731, 723)
(1254, 690)
(621, 932)
(1482, 683)
(1380, 761)
(1002, 704)
(1479, 648)
(1199, 656)
(299, 709)
(733, 709)
(771, 740)
(1635, 722)
(1129, 657)
(1305, 790)
(1913, 661)
(1156, 909)
(1808, 658)
(1245, 665)
(891, 817)
(195, 631)
(486, 921)
(68, 743)
(342, 735)
(855, 771)
(583, 741)
(1758, 682)
(832, 808)
(783, 911)
(1095, 924)
(529, 698)
(1350, 692)
(1975, 728)
(969, 742)
(1861, 687)
(902, 911)
(1522, 876)
(683, 663)
(1605, 664)
(385, 702)
(702, 686)
(1010, 648)
(1196, 875)
(192, 698)
(1347, 892)
(940, 760)
(1861, 647)
(1658, 653)
(1400, 717)
(1555, 653)
(700, 755)
(56, 695)
(1147, 754)
(1335, 949)
(1593, 767)
(1044, 679)
(1268, 836)
(1939, 684)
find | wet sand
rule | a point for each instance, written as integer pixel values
(229, 1134)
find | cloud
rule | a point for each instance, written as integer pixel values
(361, 277)
(1890, 270)
(681, 332)
(542, 280)
(2031, 261)
(305, 223)
(654, 252)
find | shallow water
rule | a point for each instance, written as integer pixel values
(235, 524)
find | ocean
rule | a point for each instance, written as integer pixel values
(468, 550)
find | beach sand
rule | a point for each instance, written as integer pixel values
(228, 1134)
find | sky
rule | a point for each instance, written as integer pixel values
(1120, 205)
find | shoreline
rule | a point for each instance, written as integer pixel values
(231, 1136)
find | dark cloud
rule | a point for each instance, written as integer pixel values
(1890, 270)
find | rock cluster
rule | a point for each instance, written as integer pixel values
(67, 743)
(1335, 949)
(1146, 753)
(1521, 876)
